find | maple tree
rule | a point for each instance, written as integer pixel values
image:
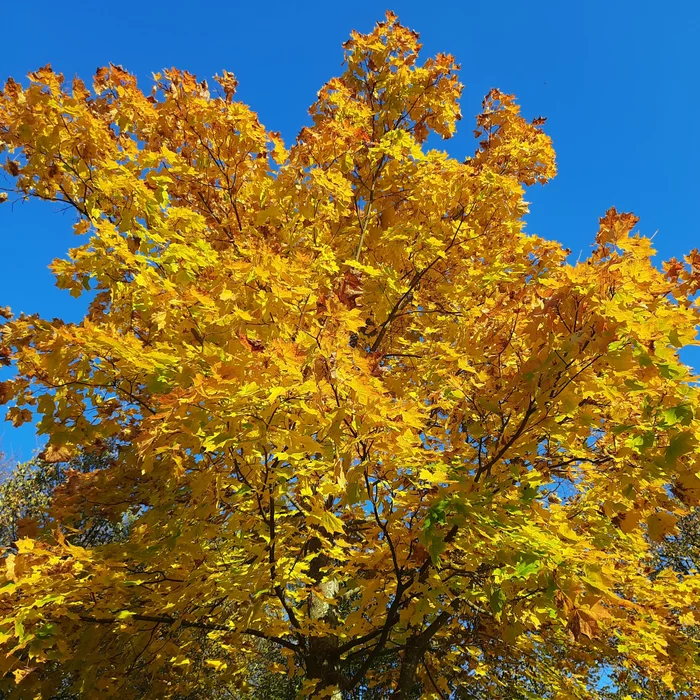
(349, 406)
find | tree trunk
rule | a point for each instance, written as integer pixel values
(409, 667)
(323, 660)
(414, 651)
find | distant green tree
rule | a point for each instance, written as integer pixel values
(681, 552)
(26, 490)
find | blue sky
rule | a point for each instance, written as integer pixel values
(618, 81)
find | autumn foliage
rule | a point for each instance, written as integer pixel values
(354, 409)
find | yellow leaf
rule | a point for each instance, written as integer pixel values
(331, 522)
(24, 545)
(568, 533)
(661, 524)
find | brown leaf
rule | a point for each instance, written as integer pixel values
(584, 624)
(661, 524)
(375, 364)
(27, 527)
(19, 416)
(321, 369)
(228, 82)
(350, 289)
(614, 226)
(53, 454)
(5, 392)
(687, 488)
(627, 521)
(253, 344)
(673, 269)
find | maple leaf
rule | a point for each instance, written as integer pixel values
(350, 289)
(53, 454)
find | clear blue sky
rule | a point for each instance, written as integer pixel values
(618, 81)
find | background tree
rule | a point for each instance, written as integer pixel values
(680, 552)
(26, 491)
(358, 412)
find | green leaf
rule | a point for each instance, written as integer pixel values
(497, 601)
(681, 444)
(436, 546)
(354, 492)
(47, 630)
(158, 384)
(682, 414)
(668, 371)
(524, 569)
(19, 629)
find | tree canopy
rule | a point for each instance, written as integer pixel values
(350, 408)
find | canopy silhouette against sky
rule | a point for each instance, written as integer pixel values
(617, 82)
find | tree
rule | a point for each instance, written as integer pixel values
(25, 497)
(359, 413)
(26, 490)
